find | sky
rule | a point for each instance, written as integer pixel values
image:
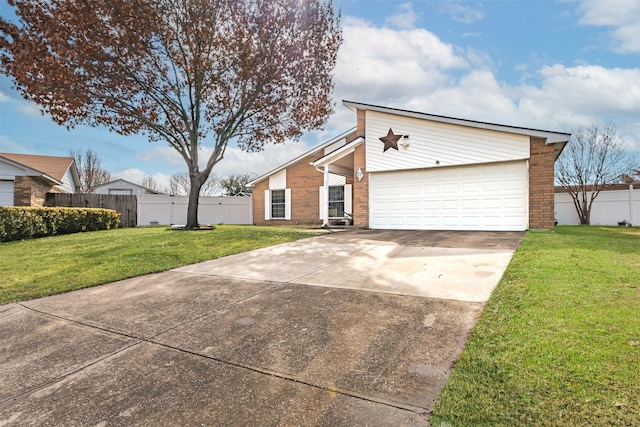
(546, 64)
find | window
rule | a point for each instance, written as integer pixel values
(336, 201)
(278, 204)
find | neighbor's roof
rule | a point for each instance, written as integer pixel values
(302, 156)
(51, 167)
(552, 137)
(107, 184)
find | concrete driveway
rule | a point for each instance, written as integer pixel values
(349, 328)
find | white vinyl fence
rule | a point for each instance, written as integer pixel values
(165, 209)
(609, 208)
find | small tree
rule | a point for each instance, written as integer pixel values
(90, 170)
(234, 185)
(181, 71)
(593, 159)
(179, 184)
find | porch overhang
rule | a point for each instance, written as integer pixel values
(334, 162)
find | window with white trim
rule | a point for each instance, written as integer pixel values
(336, 201)
(278, 203)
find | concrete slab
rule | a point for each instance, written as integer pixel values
(386, 348)
(281, 263)
(36, 350)
(152, 385)
(145, 306)
(465, 266)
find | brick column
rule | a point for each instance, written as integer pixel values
(360, 188)
(541, 185)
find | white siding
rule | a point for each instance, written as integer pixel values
(278, 181)
(335, 146)
(481, 197)
(6, 193)
(67, 183)
(433, 144)
(337, 179)
(9, 172)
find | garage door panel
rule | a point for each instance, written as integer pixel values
(481, 197)
(6, 193)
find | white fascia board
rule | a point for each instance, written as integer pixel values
(339, 153)
(551, 137)
(302, 156)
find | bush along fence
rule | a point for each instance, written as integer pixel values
(17, 223)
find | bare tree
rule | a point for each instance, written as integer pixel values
(179, 184)
(593, 159)
(234, 185)
(181, 71)
(90, 169)
(150, 182)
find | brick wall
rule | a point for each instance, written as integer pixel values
(304, 180)
(30, 191)
(541, 185)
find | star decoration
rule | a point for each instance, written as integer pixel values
(390, 141)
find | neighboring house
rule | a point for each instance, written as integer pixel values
(401, 169)
(26, 179)
(123, 187)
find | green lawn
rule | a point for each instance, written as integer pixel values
(558, 343)
(51, 265)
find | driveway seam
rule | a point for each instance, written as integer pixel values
(152, 341)
(345, 392)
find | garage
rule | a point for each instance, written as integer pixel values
(6, 193)
(489, 197)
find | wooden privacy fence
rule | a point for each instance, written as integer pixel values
(126, 206)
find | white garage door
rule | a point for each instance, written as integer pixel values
(481, 197)
(6, 193)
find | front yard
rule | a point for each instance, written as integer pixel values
(52, 265)
(558, 343)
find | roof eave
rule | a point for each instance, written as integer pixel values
(300, 157)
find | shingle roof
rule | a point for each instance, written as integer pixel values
(55, 167)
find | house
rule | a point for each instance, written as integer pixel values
(26, 179)
(401, 169)
(123, 187)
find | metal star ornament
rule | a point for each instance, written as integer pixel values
(390, 141)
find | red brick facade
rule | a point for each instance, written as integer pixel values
(29, 191)
(304, 181)
(360, 188)
(541, 184)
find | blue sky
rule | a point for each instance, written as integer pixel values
(549, 64)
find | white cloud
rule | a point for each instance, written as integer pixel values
(622, 16)
(30, 109)
(235, 160)
(382, 62)
(136, 176)
(4, 97)
(404, 18)
(460, 12)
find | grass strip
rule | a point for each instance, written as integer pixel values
(52, 265)
(558, 343)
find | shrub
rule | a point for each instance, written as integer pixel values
(17, 223)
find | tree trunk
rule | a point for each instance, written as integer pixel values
(585, 214)
(192, 207)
